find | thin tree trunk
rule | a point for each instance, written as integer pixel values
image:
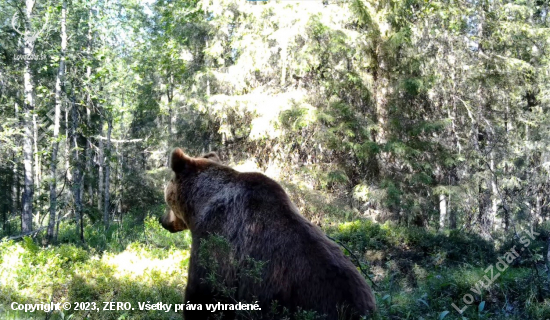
(485, 218)
(55, 146)
(496, 222)
(100, 174)
(67, 143)
(56, 230)
(380, 83)
(67, 165)
(117, 184)
(106, 206)
(170, 111)
(89, 104)
(15, 192)
(442, 211)
(36, 155)
(68, 174)
(508, 126)
(171, 117)
(121, 169)
(482, 216)
(452, 216)
(120, 187)
(28, 107)
(15, 185)
(538, 207)
(83, 173)
(87, 171)
(77, 175)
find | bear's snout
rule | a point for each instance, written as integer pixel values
(171, 222)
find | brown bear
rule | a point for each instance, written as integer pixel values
(302, 269)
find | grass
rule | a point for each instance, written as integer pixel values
(115, 269)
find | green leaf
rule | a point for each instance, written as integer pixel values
(424, 302)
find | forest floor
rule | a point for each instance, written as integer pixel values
(417, 274)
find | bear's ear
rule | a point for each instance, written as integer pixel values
(212, 156)
(179, 161)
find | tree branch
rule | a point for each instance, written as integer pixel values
(120, 141)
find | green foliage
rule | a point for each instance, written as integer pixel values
(295, 119)
(218, 258)
(224, 271)
(363, 235)
(157, 236)
(67, 273)
(424, 273)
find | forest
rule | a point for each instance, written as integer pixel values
(416, 134)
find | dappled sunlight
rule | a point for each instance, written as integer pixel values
(249, 165)
(11, 262)
(273, 170)
(266, 107)
(28, 273)
(68, 273)
(134, 262)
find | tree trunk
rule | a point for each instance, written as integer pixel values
(89, 150)
(485, 218)
(77, 174)
(442, 211)
(26, 213)
(55, 146)
(67, 144)
(83, 161)
(452, 216)
(106, 207)
(100, 173)
(482, 216)
(120, 186)
(120, 171)
(506, 218)
(89, 105)
(15, 192)
(496, 221)
(538, 207)
(36, 155)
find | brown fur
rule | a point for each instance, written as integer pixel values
(303, 268)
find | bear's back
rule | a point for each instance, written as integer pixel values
(304, 268)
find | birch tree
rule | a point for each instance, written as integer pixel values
(28, 107)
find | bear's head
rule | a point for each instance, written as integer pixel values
(177, 218)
